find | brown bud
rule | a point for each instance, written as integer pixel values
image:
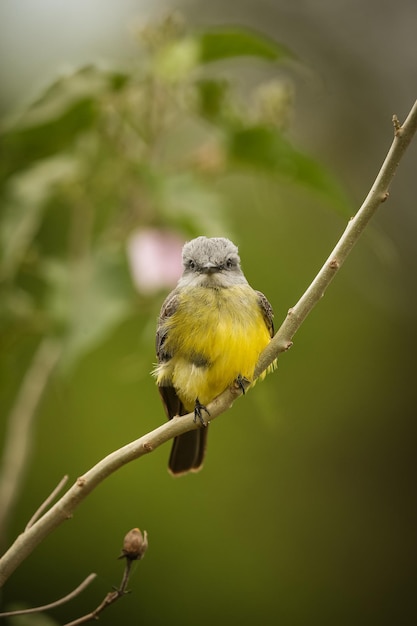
(134, 545)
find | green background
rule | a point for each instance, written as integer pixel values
(305, 511)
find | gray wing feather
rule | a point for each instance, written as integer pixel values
(267, 312)
(168, 308)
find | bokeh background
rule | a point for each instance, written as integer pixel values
(305, 511)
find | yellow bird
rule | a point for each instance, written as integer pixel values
(211, 331)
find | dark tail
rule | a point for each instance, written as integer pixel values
(188, 450)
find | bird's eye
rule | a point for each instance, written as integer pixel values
(229, 264)
(191, 264)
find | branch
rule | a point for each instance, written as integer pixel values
(38, 513)
(64, 508)
(403, 135)
(109, 599)
(134, 547)
(53, 605)
(19, 427)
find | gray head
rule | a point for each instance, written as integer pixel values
(211, 262)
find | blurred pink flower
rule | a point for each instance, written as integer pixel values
(155, 259)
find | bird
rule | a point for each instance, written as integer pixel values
(211, 330)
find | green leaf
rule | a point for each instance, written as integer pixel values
(28, 143)
(87, 300)
(212, 94)
(68, 108)
(176, 60)
(237, 42)
(185, 200)
(265, 147)
(23, 206)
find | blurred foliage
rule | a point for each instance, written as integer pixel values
(98, 156)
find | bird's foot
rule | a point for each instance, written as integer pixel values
(242, 383)
(198, 408)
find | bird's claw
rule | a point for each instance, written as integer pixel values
(198, 408)
(242, 383)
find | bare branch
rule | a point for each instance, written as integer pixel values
(134, 547)
(403, 134)
(19, 428)
(37, 514)
(53, 605)
(109, 599)
(64, 508)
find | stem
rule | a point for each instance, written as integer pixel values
(53, 605)
(37, 514)
(19, 429)
(110, 598)
(377, 194)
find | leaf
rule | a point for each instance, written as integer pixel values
(87, 300)
(186, 201)
(266, 148)
(23, 206)
(236, 42)
(212, 94)
(28, 143)
(176, 60)
(69, 107)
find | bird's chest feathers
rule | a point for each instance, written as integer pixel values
(215, 335)
(209, 321)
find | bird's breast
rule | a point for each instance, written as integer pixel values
(214, 336)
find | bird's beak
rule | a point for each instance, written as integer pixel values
(210, 268)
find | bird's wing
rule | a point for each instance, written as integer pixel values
(168, 308)
(267, 312)
(172, 404)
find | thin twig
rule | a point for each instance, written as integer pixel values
(64, 508)
(135, 545)
(38, 513)
(109, 599)
(53, 605)
(19, 428)
(403, 134)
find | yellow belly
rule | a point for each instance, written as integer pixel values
(213, 337)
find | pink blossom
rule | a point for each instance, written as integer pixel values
(155, 259)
